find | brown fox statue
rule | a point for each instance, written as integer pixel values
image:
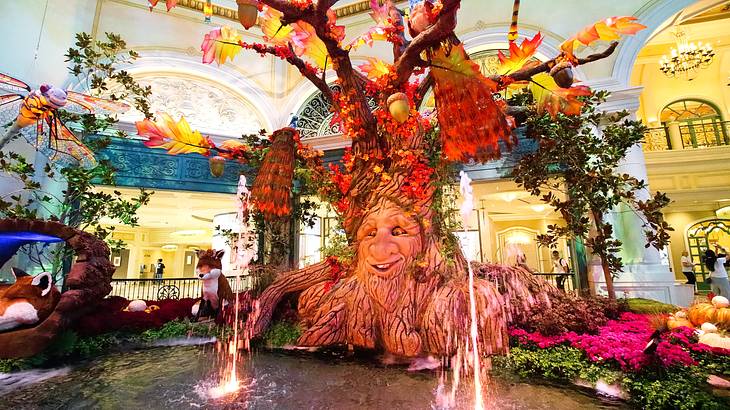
(28, 301)
(216, 291)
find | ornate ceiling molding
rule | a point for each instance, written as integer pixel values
(231, 14)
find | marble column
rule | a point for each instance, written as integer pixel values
(675, 135)
(644, 274)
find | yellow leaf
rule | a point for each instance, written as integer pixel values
(375, 68)
(175, 137)
(553, 99)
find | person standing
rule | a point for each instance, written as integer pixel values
(159, 269)
(688, 268)
(715, 263)
(561, 269)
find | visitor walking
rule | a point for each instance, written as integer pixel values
(560, 268)
(159, 269)
(715, 263)
(688, 268)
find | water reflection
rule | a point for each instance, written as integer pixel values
(175, 377)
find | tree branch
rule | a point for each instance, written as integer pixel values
(527, 73)
(431, 37)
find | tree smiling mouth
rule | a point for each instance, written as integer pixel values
(383, 269)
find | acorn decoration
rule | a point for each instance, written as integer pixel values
(562, 73)
(217, 165)
(398, 107)
(248, 11)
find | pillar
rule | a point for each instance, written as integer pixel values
(644, 276)
(675, 135)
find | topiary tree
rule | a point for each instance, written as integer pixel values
(406, 289)
(574, 171)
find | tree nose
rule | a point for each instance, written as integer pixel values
(200, 275)
(383, 245)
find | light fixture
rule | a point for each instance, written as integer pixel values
(169, 248)
(538, 208)
(687, 58)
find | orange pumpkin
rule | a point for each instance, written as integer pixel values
(674, 322)
(707, 312)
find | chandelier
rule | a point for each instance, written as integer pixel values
(687, 58)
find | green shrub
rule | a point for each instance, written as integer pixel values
(639, 305)
(282, 334)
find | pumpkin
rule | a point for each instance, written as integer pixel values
(707, 312)
(720, 302)
(708, 328)
(715, 340)
(679, 319)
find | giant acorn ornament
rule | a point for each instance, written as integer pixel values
(398, 107)
(248, 11)
(562, 73)
(217, 165)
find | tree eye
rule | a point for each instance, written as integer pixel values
(398, 231)
(371, 233)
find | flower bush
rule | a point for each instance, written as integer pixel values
(674, 375)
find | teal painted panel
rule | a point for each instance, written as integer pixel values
(140, 166)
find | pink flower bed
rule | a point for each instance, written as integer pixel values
(623, 341)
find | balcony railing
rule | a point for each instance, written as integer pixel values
(711, 134)
(562, 281)
(172, 288)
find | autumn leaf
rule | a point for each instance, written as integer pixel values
(375, 68)
(553, 99)
(518, 56)
(169, 3)
(383, 23)
(454, 60)
(176, 138)
(220, 45)
(274, 32)
(307, 43)
(607, 30)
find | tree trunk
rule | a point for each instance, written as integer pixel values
(598, 220)
(403, 293)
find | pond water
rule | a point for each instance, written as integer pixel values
(178, 377)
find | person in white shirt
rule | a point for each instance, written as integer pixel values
(688, 268)
(715, 263)
(560, 265)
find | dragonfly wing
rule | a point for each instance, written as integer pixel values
(63, 146)
(13, 84)
(95, 104)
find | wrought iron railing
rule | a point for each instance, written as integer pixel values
(699, 135)
(168, 288)
(563, 281)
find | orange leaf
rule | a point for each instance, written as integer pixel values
(375, 68)
(176, 138)
(553, 99)
(518, 56)
(609, 29)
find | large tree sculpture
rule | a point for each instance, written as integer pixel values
(406, 291)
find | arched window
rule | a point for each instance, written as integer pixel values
(700, 123)
(704, 235)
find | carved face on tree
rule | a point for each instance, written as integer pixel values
(388, 243)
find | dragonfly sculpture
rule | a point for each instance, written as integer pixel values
(38, 119)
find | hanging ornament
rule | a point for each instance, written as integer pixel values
(208, 10)
(562, 73)
(217, 165)
(398, 107)
(248, 11)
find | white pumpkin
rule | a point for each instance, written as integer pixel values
(681, 314)
(708, 328)
(137, 306)
(720, 302)
(715, 340)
